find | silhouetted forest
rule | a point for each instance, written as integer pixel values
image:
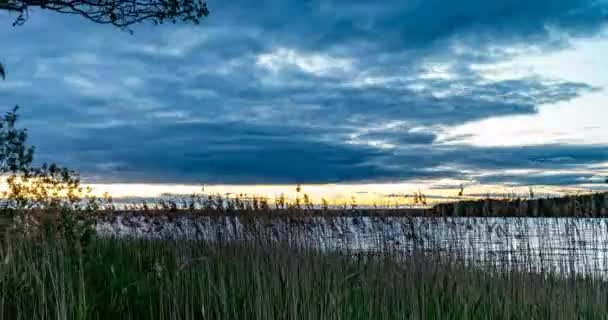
(587, 205)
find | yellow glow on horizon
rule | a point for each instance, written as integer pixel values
(381, 194)
(366, 194)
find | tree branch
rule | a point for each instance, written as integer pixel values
(120, 13)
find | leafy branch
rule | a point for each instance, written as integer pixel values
(120, 13)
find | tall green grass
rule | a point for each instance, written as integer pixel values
(168, 279)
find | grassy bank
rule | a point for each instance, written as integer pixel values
(161, 279)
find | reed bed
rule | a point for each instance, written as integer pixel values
(47, 277)
(561, 245)
(298, 262)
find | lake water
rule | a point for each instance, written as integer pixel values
(564, 245)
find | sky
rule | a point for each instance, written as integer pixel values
(344, 97)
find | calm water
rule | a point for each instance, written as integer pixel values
(565, 245)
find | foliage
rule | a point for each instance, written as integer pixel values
(47, 187)
(50, 199)
(120, 13)
(15, 154)
(46, 196)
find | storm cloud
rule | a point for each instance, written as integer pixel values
(293, 91)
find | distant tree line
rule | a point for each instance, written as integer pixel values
(587, 205)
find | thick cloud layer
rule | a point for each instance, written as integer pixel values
(293, 91)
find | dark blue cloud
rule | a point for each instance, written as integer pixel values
(411, 24)
(290, 91)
